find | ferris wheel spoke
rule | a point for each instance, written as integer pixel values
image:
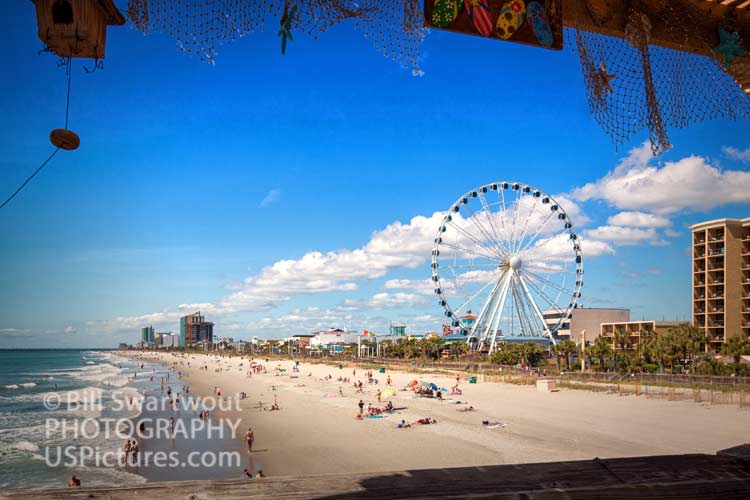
(503, 212)
(488, 212)
(478, 292)
(538, 313)
(519, 244)
(538, 232)
(554, 237)
(543, 284)
(551, 256)
(472, 252)
(548, 282)
(516, 208)
(471, 237)
(521, 308)
(549, 269)
(543, 295)
(458, 266)
(490, 299)
(477, 224)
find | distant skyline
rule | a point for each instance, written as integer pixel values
(282, 195)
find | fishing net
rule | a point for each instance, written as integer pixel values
(633, 85)
(396, 28)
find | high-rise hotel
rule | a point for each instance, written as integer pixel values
(721, 279)
(195, 329)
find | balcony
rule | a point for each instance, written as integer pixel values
(716, 253)
(716, 310)
(716, 296)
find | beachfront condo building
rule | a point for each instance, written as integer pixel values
(147, 335)
(195, 329)
(588, 319)
(635, 332)
(721, 279)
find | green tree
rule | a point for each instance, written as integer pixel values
(567, 348)
(736, 347)
(601, 350)
(622, 339)
(432, 347)
(458, 349)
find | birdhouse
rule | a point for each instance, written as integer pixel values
(76, 28)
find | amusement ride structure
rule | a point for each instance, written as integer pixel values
(509, 252)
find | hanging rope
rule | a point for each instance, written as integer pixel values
(30, 177)
(67, 109)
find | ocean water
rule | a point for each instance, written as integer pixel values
(28, 447)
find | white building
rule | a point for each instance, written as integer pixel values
(333, 336)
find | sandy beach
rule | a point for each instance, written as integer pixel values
(316, 431)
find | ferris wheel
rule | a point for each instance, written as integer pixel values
(506, 265)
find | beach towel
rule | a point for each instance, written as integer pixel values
(493, 425)
(376, 416)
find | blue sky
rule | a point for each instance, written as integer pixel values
(193, 180)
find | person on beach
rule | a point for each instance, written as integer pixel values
(260, 474)
(171, 425)
(246, 474)
(74, 482)
(361, 405)
(379, 393)
(249, 438)
(388, 380)
(403, 425)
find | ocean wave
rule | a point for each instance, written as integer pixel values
(24, 385)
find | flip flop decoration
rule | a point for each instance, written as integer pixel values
(285, 31)
(537, 19)
(480, 15)
(445, 12)
(510, 19)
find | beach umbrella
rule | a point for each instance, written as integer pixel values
(413, 383)
(388, 393)
(433, 386)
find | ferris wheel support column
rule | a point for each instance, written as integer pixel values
(489, 301)
(536, 308)
(499, 310)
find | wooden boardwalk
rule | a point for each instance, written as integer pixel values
(721, 476)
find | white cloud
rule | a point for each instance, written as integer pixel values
(671, 233)
(742, 155)
(69, 329)
(638, 219)
(623, 236)
(273, 196)
(385, 300)
(689, 184)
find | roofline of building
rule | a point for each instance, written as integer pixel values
(719, 222)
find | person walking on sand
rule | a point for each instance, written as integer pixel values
(74, 482)
(361, 405)
(379, 395)
(341, 392)
(388, 380)
(249, 438)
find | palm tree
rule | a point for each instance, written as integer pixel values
(566, 348)
(602, 350)
(622, 339)
(736, 347)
